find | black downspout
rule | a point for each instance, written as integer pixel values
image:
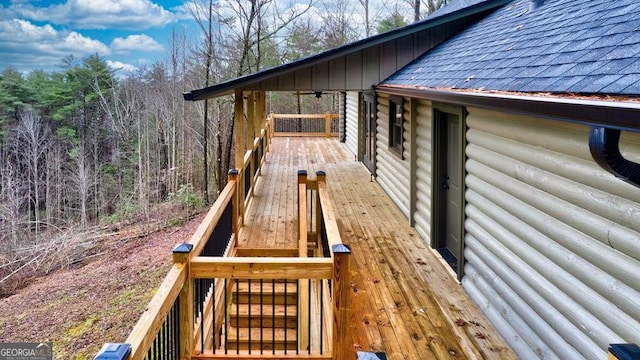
(605, 150)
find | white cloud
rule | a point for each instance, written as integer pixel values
(200, 9)
(137, 43)
(99, 14)
(186, 10)
(122, 69)
(25, 45)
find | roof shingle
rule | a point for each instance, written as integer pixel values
(577, 46)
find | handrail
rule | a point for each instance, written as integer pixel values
(316, 210)
(142, 336)
(167, 325)
(260, 268)
(144, 332)
(330, 222)
(304, 124)
(205, 229)
(187, 313)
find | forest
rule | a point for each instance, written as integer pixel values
(86, 147)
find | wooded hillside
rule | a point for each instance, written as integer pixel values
(87, 145)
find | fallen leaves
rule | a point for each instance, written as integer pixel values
(461, 322)
(480, 335)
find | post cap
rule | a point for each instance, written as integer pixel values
(341, 249)
(302, 172)
(233, 172)
(183, 248)
(113, 351)
(321, 173)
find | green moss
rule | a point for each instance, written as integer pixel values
(82, 328)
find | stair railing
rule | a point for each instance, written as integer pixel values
(190, 317)
(168, 327)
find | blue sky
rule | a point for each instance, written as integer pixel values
(128, 34)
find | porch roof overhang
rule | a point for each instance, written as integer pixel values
(621, 115)
(359, 65)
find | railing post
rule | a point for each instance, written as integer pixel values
(270, 127)
(327, 121)
(321, 178)
(302, 179)
(252, 171)
(251, 120)
(303, 248)
(182, 255)
(341, 286)
(233, 176)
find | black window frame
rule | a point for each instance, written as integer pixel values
(396, 126)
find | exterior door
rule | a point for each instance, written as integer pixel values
(369, 127)
(448, 173)
(452, 186)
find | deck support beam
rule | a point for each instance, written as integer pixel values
(239, 149)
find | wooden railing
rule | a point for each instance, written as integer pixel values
(304, 124)
(189, 316)
(165, 330)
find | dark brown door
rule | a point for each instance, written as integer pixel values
(452, 187)
(448, 187)
(369, 122)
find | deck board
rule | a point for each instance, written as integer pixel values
(405, 301)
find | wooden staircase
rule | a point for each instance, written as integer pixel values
(266, 311)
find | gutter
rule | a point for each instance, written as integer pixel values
(606, 118)
(604, 144)
(602, 113)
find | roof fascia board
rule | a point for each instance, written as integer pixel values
(610, 114)
(228, 87)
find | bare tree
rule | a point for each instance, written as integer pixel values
(83, 179)
(34, 136)
(11, 203)
(339, 25)
(430, 5)
(367, 24)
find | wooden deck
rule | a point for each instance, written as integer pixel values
(405, 301)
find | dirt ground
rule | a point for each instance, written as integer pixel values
(100, 301)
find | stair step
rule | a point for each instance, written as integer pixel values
(241, 294)
(239, 316)
(267, 339)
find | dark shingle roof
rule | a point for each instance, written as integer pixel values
(268, 79)
(575, 46)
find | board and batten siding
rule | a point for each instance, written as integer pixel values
(424, 129)
(552, 241)
(352, 106)
(392, 173)
(342, 116)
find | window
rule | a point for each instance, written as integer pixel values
(396, 125)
